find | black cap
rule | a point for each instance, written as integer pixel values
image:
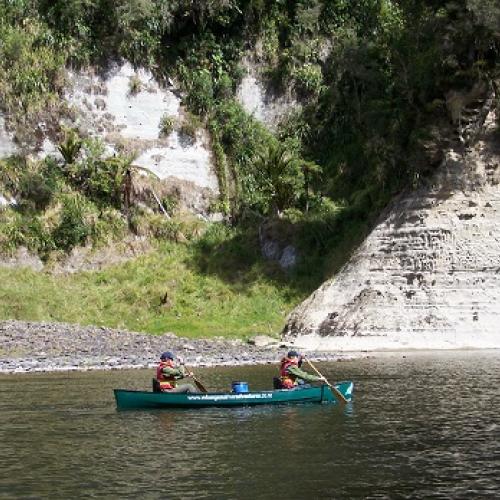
(292, 354)
(167, 355)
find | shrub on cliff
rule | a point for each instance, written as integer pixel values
(167, 125)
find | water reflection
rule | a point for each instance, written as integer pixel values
(167, 421)
(348, 409)
(420, 426)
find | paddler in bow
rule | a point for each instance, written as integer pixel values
(168, 373)
(291, 375)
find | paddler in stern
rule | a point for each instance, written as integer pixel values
(168, 373)
(291, 375)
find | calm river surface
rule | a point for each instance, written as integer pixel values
(421, 426)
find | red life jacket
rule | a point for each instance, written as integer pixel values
(288, 380)
(166, 382)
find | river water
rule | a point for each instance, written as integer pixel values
(421, 426)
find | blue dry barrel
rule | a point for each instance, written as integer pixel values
(240, 387)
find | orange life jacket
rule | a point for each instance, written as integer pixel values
(166, 382)
(288, 380)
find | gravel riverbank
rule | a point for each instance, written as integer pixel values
(49, 347)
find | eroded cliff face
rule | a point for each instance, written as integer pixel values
(428, 276)
(124, 108)
(259, 100)
(131, 122)
(7, 146)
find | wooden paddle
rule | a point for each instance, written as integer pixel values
(337, 393)
(198, 384)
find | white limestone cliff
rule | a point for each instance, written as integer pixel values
(258, 100)
(124, 107)
(106, 107)
(7, 145)
(428, 275)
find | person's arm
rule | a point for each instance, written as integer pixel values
(295, 370)
(178, 373)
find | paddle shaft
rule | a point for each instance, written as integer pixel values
(199, 385)
(196, 381)
(339, 395)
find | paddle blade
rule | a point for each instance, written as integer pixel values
(343, 391)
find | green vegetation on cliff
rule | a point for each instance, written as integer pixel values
(373, 78)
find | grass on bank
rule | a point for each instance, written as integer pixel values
(129, 296)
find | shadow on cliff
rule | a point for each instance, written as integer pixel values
(323, 245)
(234, 255)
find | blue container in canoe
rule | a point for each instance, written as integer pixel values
(240, 387)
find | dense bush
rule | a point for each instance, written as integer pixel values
(33, 184)
(74, 225)
(371, 75)
(60, 206)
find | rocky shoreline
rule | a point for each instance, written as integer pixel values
(27, 347)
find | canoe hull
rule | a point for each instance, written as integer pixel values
(142, 399)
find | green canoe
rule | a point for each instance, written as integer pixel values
(144, 399)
